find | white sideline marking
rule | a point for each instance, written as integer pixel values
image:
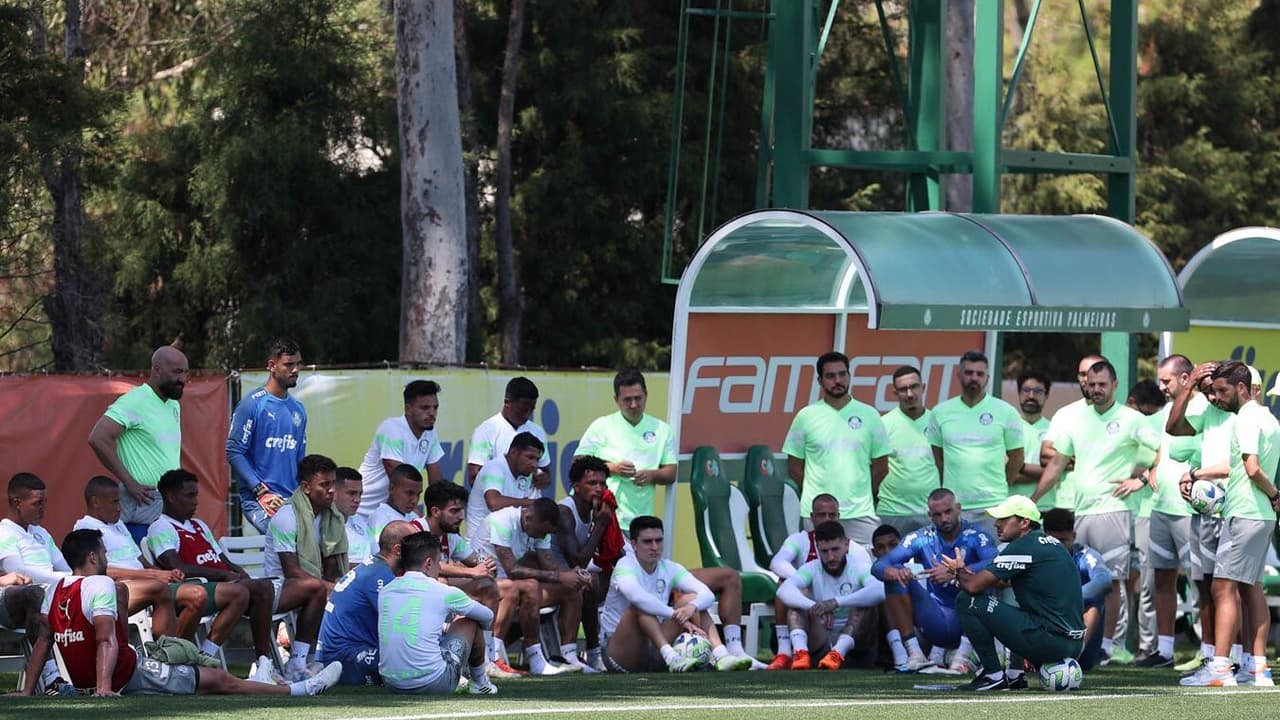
(947, 698)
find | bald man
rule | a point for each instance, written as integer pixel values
(139, 438)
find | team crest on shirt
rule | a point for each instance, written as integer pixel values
(1041, 437)
(662, 587)
(855, 422)
(1113, 427)
(985, 418)
(423, 445)
(175, 413)
(297, 418)
(524, 482)
(846, 588)
(649, 436)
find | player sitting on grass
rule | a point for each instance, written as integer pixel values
(180, 541)
(86, 627)
(639, 616)
(931, 608)
(798, 549)
(1046, 625)
(1095, 581)
(519, 538)
(151, 587)
(414, 655)
(820, 597)
(349, 633)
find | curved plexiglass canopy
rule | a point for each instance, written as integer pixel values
(940, 271)
(1232, 280)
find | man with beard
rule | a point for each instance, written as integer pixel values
(407, 438)
(977, 442)
(269, 437)
(1248, 517)
(1058, 424)
(1107, 443)
(839, 446)
(139, 438)
(901, 500)
(1033, 393)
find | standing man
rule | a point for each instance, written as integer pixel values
(139, 438)
(839, 446)
(913, 474)
(1046, 625)
(1170, 524)
(408, 438)
(1248, 520)
(269, 437)
(1033, 393)
(977, 442)
(1062, 420)
(1107, 443)
(492, 437)
(638, 448)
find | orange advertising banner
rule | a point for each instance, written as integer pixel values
(44, 429)
(746, 375)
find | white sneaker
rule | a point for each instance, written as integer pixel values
(264, 671)
(551, 668)
(297, 672)
(503, 671)
(916, 662)
(1208, 676)
(596, 663)
(582, 667)
(960, 665)
(323, 680)
(1259, 678)
(482, 687)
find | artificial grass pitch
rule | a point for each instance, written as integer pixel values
(1128, 693)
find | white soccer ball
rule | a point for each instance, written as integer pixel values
(1207, 497)
(693, 646)
(1061, 676)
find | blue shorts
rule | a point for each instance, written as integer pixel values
(936, 622)
(359, 668)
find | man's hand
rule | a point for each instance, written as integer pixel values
(166, 576)
(487, 566)
(684, 613)
(14, 578)
(142, 495)
(1202, 371)
(1126, 487)
(939, 574)
(899, 574)
(642, 478)
(625, 468)
(953, 563)
(1184, 486)
(823, 608)
(541, 479)
(269, 501)
(601, 513)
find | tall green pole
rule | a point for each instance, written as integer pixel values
(1120, 348)
(792, 46)
(925, 111)
(988, 96)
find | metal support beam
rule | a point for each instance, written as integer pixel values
(988, 94)
(792, 45)
(926, 109)
(1122, 349)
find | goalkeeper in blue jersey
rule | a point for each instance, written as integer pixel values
(1095, 581)
(929, 607)
(269, 438)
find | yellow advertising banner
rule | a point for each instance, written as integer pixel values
(1259, 348)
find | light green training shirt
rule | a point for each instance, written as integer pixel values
(837, 447)
(648, 444)
(1257, 433)
(1033, 434)
(151, 443)
(975, 442)
(1106, 447)
(912, 472)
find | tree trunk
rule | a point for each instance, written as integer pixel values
(510, 302)
(470, 176)
(74, 307)
(959, 69)
(433, 292)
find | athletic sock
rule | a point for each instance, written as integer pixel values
(49, 673)
(209, 647)
(732, 634)
(719, 652)
(800, 639)
(896, 647)
(965, 648)
(298, 658)
(499, 650)
(1107, 644)
(569, 651)
(298, 688)
(938, 655)
(784, 639)
(1246, 662)
(1221, 664)
(537, 661)
(1164, 645)
(844, 644)
(1259, 664)
(1236, 650)
(913, 645)
(669, 654)
(995, 675)
(480, 673)
(489, 646)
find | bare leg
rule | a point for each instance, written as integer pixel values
(1259, 617)
(508, 601)
(1113, 609)
(262, 595)
(900, 612)
(216, 681)
(1208, 614)
(307, 596)
(570, 602)
(1166, 600)
(1226, 607)
(530, 604)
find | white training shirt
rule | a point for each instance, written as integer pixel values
(122, 551)
(492, 438)
(494, 475)
(31, 552)
(360, 540)
(793, 553)
(385, 515)
(394, 441)
(504, 529)
(650, 593)
(854, 587)
(282, 536)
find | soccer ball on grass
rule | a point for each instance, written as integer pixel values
(693, 646)
(1061, 676)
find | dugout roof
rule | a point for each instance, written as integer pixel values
(943, 271)
(1232, 281)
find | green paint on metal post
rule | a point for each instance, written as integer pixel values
(792, 46)
(926, 110)
(988, 91)
(1122, 349)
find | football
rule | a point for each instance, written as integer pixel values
(1207, 497)
(690, 645)
(1061, 676)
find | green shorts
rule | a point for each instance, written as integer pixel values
(210, 592)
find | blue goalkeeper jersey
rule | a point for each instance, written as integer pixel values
(927, 547)
(267, 441)
(350, 624)
(1095, 578)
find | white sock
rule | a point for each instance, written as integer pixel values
(480, 674)
(896, 647)
(1107, 644)
(1221, 664)
(1259, 664)
(569, 651)
(1206, 650)
(965, 648)
(732, 634)
(537, 661)
(488, 644)
(499, 649)
(844, 644)
(299, 655)
(1164, 645)
(49, 673)
(208, 647)
(669, 654)
(1246, 662)
(913, 645)
(995, 675)
(938, 655)
(719, 652)
(298, 688)
(1013, 673)
(784, 639)
(1236, 650)
(800, 639)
